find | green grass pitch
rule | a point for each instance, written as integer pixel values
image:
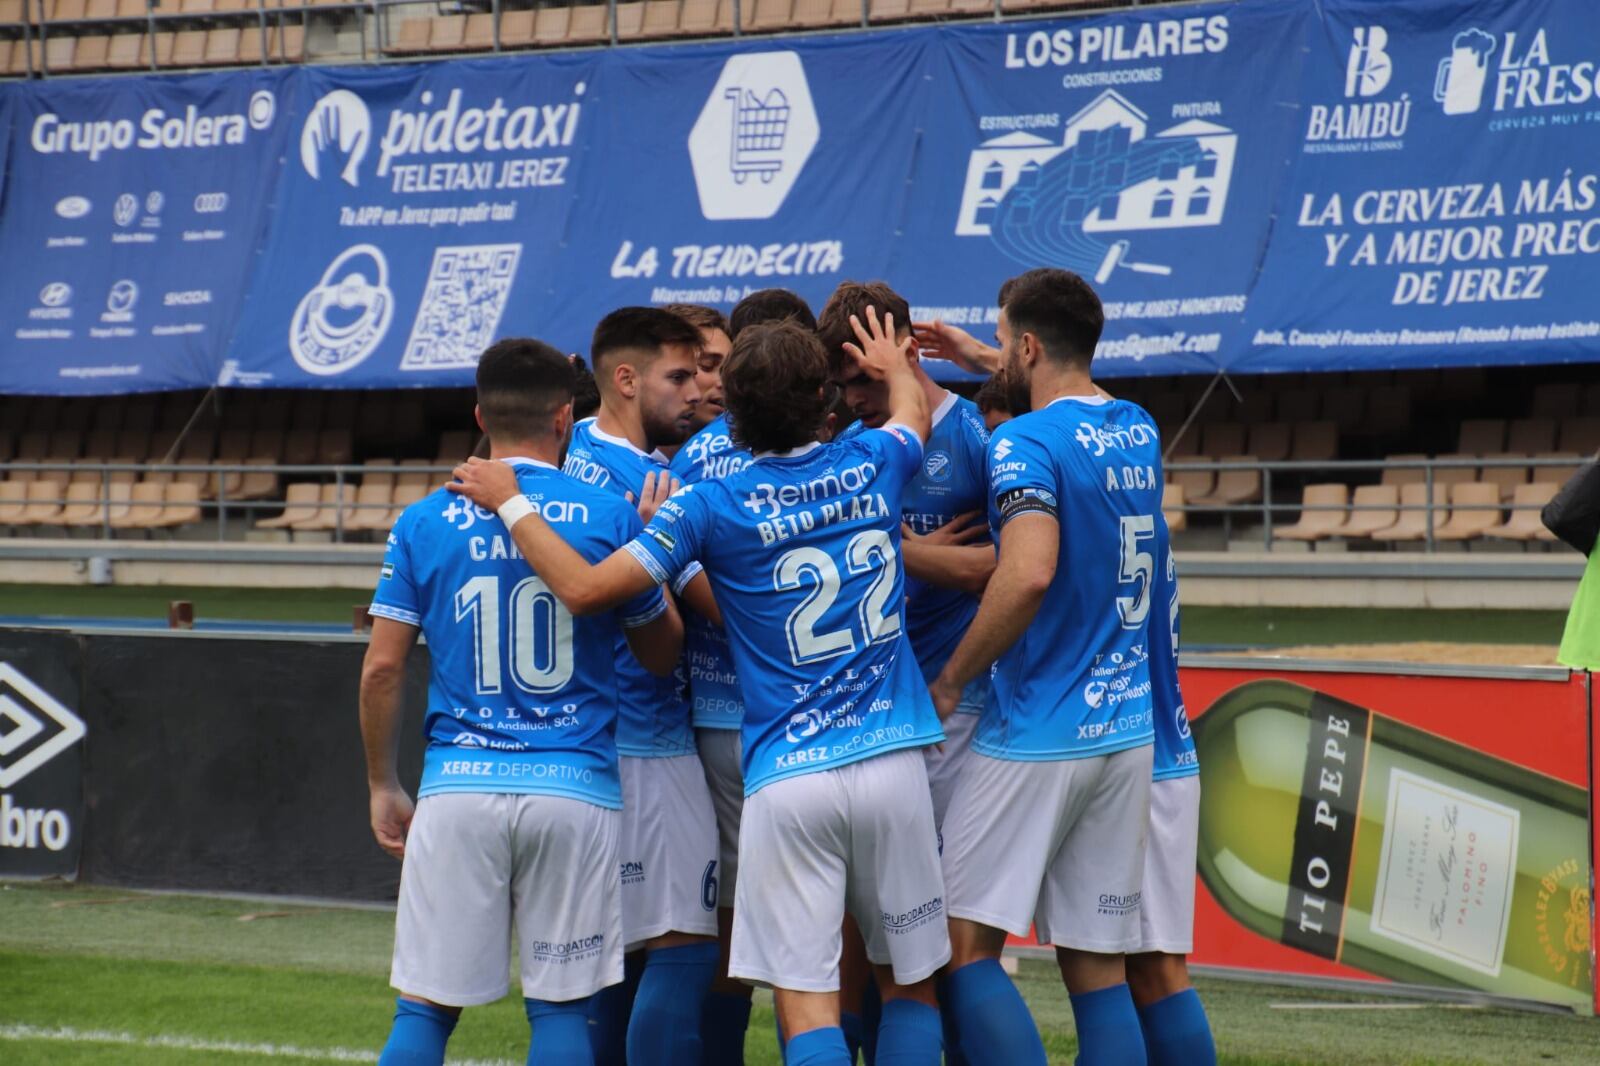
(107, 977)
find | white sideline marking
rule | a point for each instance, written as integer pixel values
(67, 1034)
(1374, 1006)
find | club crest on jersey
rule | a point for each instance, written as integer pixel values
(937, 466)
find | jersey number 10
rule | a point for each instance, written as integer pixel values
(540, 635)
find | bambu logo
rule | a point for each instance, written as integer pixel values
(34, 726)
(1368, 69)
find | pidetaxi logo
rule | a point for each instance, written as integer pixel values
(345, 316)
(28, 714)
(753, 137)
(335, 137)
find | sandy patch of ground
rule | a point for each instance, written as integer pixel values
(1425, 652)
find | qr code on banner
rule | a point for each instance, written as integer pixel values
(461, 307)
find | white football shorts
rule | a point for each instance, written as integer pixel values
(478, 865)
(668, 853)
(1166, 905)
(720, 752)
(858, 838)
(1057, 845)
(944, 766)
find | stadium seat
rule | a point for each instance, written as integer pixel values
(1530, 436)
(1233, 486)
(404, 496)
(100, 9)
(255, 51)
(1373, 507)
(1412, 525)
(299, 447)
(845, 13)
(132, 9)
(181, 506)
(769, 15)
(84, 471)
(1523, 522)
(479, 33)
(630, 20)
(1482, 435)
(889, 10)
(267, 444)
(291, 44)
(929, 9)
(27, 56)
(13, 502)
(1195, 483)
(1315, 442)
(92, 53)
(516, 27)
(550, 27)
(162, 45)
(1222, 440)
(163, 445)
(65, 10)
(373, 502)
(1559, 473)
(1506, 477)
(257, 485)
(1172, 502)
(1299, 405)
(1404, 475)
(59, 475)
(1580, 435)
(1555, 401)
(378, 472)
(1270, 441)
(1317, 525)
(145, 506)
(415, 479)
(447, 33)
(334, 510)
(85, 506)
(195, 7)
(454, 446)
(12, 11)
(301, 502)
(588, 25)
(58, 54)
(44, 503)
(335, 447)
(1179, 447)
(1474, 507)
(189, 48)
(222, 46)
(198, 477)
(1454, 475)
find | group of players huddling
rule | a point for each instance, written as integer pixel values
(721, 696)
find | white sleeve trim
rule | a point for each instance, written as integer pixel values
(396, 614)
(634, 621)
(690, 572)
(642, 556)
(908, 431)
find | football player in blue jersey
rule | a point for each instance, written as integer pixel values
(802, 550)
(770, 305)
(519, 817)
(1047, 826)
(716, 705)
(644, 364)
(1176, 1031)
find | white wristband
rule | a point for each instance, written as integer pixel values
(515, 510)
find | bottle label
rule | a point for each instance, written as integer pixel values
(1325, 830)
(1446, 873)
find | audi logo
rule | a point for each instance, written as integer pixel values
(210, 203)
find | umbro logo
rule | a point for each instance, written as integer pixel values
(34, 726)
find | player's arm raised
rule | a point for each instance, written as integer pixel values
(885, 359)
(383, 673)
(582, 588)
(1030, 545)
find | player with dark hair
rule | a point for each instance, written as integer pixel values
(993, 404)
(770, 305)
(585, 393)
(644, 361)
(801, 548)
(519, 817)
(1047, 827)
(715, 343)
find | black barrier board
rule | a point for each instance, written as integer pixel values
(41, 755)
(235, 764)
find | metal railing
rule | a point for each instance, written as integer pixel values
(1435, 501)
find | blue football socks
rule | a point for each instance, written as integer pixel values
(665, 1027)
(420, 1033)
(608, 1015)
(1177, 1032)
(1108, 1028)
(994, 1022)
(818, 1047)
(559, 1033)
(850, 1024)
(909, 1034)
(723, 1023)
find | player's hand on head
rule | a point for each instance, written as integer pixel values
(656, 490)
(392, 811)
(944, 341)
(877, 351)
(487, 483)
(962, 529)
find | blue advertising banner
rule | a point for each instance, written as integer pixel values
(132, 211)
(419, 214)
(1139, 150)
(1443, 206)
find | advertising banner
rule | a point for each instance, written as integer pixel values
(131, 214)
(1444, 206)
(1137, 149)
(41, 756)
(1401, 828)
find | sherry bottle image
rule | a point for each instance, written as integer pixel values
(1355, 837)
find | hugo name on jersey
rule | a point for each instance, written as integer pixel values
(952, 480)
(522, 696)
(1077, 683)
(714, 696)
(802, 549)
(654, 718)
(1174, 753)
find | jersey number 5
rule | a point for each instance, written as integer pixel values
(540, 635)
(1137, 565)
(870, 550)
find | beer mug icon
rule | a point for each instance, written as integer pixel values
(1459, 83)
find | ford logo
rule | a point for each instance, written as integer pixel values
(55, 294)
(72, 207)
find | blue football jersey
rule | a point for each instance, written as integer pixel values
(953, 480)
(654, 714)
(1174, 754)
(714, 697)
(522, 696)
(1077, 682)
(803, 552)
